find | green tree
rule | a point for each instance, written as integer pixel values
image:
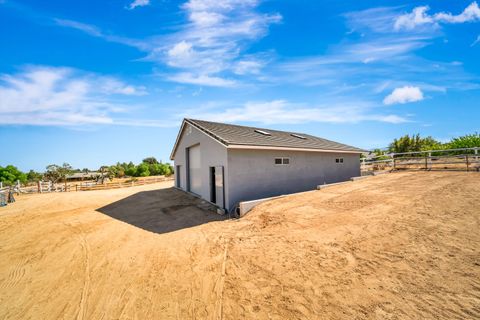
(466, 141)
(130, 170)
(10, 174)
(150, 160)
(33, 176)
(142, 170)
(413, 143)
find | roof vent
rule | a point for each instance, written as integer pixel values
(298, 136)
(265, 133)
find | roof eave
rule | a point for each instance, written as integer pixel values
(201, 129)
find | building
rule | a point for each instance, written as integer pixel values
(226, 164)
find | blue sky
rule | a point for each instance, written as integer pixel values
(95, 82)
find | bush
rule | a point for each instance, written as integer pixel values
(10, 174)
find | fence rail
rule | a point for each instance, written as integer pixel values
(47, 187)
(463, 159)
(121, 184)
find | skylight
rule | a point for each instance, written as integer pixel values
(263, 132)
(298, 136)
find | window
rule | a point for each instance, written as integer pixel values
(339, 160)
(282, 161)
(298, 136)
(265, 133)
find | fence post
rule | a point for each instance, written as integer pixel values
(466, 156)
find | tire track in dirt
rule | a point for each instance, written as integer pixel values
(15, 276)
(221, 283)
(82, 308)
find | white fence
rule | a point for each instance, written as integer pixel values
(48, 186)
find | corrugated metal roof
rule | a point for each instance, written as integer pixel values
(230, 134)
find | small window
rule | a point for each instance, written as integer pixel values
(339, 160)
(265, 133)
(282, 161)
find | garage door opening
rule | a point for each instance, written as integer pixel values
(194, 169)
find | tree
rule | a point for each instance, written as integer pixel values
(104, 172)
(131, 170)
(10, 174)
(57, 173)
(142, 170)
(413, 143)
(33, 176)
(467, 141)
(112, 172)
(150, 160)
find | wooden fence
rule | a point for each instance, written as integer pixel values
(465, 159)
(47, 186)
(121, 183)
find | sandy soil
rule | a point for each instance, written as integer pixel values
(396, 246)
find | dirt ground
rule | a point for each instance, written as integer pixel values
(396, 246)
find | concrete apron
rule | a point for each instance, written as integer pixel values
(219, 210)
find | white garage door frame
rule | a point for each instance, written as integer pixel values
(194, 165)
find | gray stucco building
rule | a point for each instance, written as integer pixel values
(226, 164)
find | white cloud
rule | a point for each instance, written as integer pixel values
(109, 85)
(248, 66)
(470, 14)
(476, 41)
(419, 17)
(89, 29)
(138, 3)
(404, 95)
(60, 96)
(213, 41)
(204, 80)
(284, 112)
(96, 32)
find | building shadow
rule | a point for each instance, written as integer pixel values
(162, 211)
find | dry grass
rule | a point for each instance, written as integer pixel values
(396, 246)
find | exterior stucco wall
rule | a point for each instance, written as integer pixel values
(252, 174)
(212, 153)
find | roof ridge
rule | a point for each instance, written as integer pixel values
(250, 127)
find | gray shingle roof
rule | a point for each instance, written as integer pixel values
(230, 134)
